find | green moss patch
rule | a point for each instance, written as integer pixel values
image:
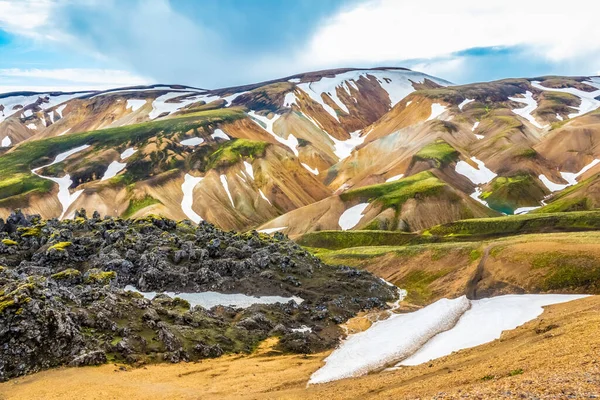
(506, 194)
(60, 246)
(136, 204)
(417, 284)
(440, 152)
(335, 240)
(235, 150)
(9, 242)
(394, 194)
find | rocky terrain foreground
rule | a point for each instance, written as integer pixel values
(62, 300)
(553, 357)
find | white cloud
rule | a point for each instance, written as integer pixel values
(67, 79)
(82, 75)
(381, 30)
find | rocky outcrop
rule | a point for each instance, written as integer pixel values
(62, 299)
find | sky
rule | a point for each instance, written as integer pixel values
(99, 44)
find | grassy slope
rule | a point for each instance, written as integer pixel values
(16, 165)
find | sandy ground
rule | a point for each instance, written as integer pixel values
(554, 357)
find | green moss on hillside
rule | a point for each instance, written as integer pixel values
(137, 204)
(15, 166)
(518, 224)
(235, 150)
(506, 194)
(394, 194)
(343, 239)
(440, 152)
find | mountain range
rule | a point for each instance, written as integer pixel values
(348, 149)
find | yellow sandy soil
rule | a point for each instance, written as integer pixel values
(558, 354)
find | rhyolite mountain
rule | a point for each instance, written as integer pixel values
(381, 149)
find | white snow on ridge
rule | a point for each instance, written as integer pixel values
(588, 99)
(485, 321)
(229, 99)
(479, 175)
(268, 231)
(6, 141)
(249, 169)
(31, 126)
(464, 103)
(475, 125)
(394, 178)
(226, 187)
(526, 111)
(436, 110)
(264, 197)
(314, 171)
(10, 102)
(218, 133)
(352, 216)
(189, 183)
(570, 177)
(397, 83)
(160, 105)
(343, 148)
(212, 299)
(289, 100)
(195, 141)
(135, 104)
(389, 340)
(291, 142)
(64, 195)
(59, 110)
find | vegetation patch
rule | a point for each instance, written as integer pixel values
(417, 284)
(394, 194)
(506, 194)
(568, 270)
(335, 240)
(440, 152)
(60, 246)
(137, 204)
(234, 151)
(9, 242)
(519, 224)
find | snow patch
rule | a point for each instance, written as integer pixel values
(390, 340)
(475, 196)
(31, 126)
(479, 175)
(135, 104)
(113, 169)
(302, 329)
(127, 153)
(6, 141)
(570, 177)
(195, 141)
(264, 197)
(524, 210)
(559, 117)
(291, 142)
(352, 216)
(249, 169)
(189, 183)
(211, 299)
(343, 148)
(268, 231)
(394, 178)
(485, 321)
(530, 106)
(479, 137)
(475, 125)
(226, 187)
(289, 100)
(161, 105)
(588, 99)
(64, 195)
(10, 102)
(464, 103)
(59, 110)
(436, 110)
(218, 133)
(314, 171)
